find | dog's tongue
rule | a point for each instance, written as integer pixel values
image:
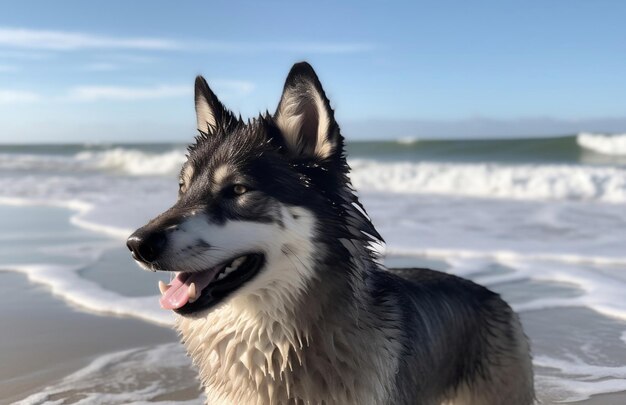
(179, 290)
(177, 294)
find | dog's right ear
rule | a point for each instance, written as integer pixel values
(210, 112)
(304, 116)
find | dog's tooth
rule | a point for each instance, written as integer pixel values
(163, 287)
(237, 262)
(192, 292)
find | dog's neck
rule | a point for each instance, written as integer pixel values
(278, 345)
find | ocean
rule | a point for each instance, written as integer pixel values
(542, 221)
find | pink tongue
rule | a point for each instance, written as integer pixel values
(177, 294)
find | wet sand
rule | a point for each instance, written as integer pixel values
(43, 339)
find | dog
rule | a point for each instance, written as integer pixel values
(279, 288)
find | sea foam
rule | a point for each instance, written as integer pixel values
(138, 376)
(490, 180)
(602, 143)
(65, 282)
(133, 161)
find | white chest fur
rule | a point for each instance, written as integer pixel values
(250, 357)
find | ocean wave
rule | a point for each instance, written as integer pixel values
(529, 182)
(119, 160)
(408, 140)
(134, 161)
(614, 145)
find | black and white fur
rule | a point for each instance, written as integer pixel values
(321, 320)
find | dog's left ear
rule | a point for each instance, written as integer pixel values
(304, 115)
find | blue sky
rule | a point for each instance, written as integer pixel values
(123, 71)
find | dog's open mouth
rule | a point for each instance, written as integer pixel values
(194, 291)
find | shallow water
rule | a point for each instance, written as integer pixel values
(548, 237)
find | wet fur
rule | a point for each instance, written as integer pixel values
(323, 322)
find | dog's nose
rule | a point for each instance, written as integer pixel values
(146, 246)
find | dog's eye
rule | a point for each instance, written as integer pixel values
(181, 185)
(239, 189)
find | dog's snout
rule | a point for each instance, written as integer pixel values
(146, 246)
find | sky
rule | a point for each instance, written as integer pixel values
(123, 71)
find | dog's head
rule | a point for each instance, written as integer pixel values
(254, 200)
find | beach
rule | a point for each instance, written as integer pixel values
(542, 222)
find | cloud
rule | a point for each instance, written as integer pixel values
(287, 47)
(50, 40)
(68, 41)
(8, 68)
(24, 55)
(226, 88)
(130, 93)
(122, 93)
(18, 97)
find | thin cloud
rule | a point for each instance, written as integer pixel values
(8, 68)
(18, 97)
(24, 55)
(287, 47)
(227, 88)
(50, 40)
(121, 93)
(71, 41)
(129, 93)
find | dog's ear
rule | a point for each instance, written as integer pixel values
(304, 115)
(210, 112)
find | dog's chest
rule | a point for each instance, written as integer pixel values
(263, 361)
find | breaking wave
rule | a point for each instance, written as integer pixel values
(424, 167)
(601, 143)
(119, 160)
(134, 162)
(544, 182)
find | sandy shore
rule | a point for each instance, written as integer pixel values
(43, 339)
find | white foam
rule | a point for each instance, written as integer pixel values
(14, 161)
(138, 376)
(601, 291)
(603, 143)
(409, 140)
(507, 255)
(111, 205)
(134, 162)
(118, 160)
(582, 381)
(65, 282)
(490, 180)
